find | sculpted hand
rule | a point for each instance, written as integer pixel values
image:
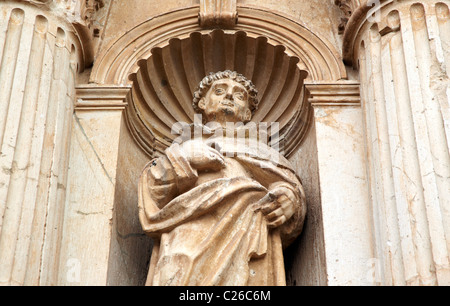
(277, 206)
(203, 157)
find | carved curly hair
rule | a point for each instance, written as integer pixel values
(206, 83)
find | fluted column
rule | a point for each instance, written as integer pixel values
(401, 49)
(40, 55)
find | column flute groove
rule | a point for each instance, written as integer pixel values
(21, 160)
(443, 18)
(41, 54)
(411, 165)
(402, 51)
(8, 65)
(435, 123)
(393, 252)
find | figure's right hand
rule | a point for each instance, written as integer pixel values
(203, 157)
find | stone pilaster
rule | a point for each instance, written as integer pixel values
(88, 245)
(401, 49)
(40, 55)
(345, 211)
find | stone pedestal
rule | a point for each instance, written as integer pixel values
(402, 52)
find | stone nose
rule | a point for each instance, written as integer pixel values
(229, 94)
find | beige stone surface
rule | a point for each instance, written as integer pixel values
(306, 259)
(125, 15)
(404, 73)
(90, 199)
(319, 16)
(39, 60)
(221, 207)
(79, 121)
(130, 246)
(341, 156)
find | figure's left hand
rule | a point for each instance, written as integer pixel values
(278, 206)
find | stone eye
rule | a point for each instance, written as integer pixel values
(219, 91)
(239, 95)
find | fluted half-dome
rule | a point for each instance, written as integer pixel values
(163, 87)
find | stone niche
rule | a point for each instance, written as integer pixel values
(162, 88)
(151, 72)
(162, 61)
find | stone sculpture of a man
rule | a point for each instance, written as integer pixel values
(220, 218)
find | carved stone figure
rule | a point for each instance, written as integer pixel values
(221, 211)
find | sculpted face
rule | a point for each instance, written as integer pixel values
(226, 101)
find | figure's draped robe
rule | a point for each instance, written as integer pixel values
(205, 227)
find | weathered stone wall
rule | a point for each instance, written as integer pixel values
(370, 140)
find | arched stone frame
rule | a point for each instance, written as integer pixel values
(325, 85)
(315, 59)
(121, 58)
